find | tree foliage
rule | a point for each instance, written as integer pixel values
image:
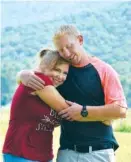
(106, 35)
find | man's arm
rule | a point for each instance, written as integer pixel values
(107, 112)
(47, 93)
(95, 113)
(29, 79)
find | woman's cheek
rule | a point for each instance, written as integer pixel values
(64, 78)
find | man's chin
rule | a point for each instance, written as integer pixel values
(75, 63)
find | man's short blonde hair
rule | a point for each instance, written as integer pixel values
(70, 30)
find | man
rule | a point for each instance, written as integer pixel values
(95, 97)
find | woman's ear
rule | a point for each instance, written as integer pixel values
(43, 52)
(80, 38)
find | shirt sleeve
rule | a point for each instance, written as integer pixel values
(45, 78)
(112, 88)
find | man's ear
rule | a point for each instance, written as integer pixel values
(80, 38)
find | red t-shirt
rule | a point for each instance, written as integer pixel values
(31, 125)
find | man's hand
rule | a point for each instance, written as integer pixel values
(29, 79)
(73, 112)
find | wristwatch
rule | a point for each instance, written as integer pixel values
(84, 111)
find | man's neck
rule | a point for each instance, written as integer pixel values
(85, 60)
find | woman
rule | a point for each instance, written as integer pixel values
(29, 135)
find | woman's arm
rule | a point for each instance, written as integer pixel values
(52, 98)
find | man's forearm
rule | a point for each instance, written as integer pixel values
(106, 112)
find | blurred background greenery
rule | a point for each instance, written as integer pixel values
(28, 26)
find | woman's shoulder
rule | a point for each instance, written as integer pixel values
(44, 77)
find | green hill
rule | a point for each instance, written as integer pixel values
(106, 34)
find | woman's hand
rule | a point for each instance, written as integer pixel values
(29, 79)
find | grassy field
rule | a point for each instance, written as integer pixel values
(123, 154)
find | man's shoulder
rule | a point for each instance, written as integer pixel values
(102, 65)
(99, 61)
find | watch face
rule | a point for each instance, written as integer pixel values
(84, 113)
